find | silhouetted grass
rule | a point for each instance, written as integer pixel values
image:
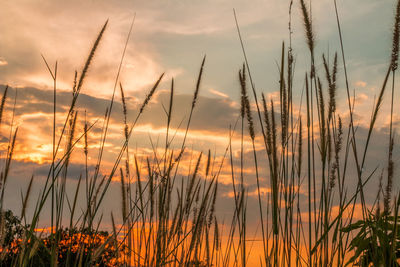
(169, 219)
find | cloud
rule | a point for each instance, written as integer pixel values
(210, 114)
(74, 25)
(218, 93)
(3, 62)
(171, 36)
(34, 117)
(69, 43)
(360, 84)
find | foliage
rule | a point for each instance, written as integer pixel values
(11, 228)
(376, 242)
(73, 246)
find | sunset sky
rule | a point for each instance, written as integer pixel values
(172, 36)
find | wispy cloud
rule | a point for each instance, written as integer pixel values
(218, 93)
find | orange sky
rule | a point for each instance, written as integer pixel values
(172, 37)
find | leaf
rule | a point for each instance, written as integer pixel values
(353, 226)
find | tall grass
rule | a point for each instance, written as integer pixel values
(307, 218)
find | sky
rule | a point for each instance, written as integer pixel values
(173, 36)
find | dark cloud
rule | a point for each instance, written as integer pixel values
(210, 114)
(25, 169)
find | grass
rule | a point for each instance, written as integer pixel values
(169, 219)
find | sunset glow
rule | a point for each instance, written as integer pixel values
(199, 133)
